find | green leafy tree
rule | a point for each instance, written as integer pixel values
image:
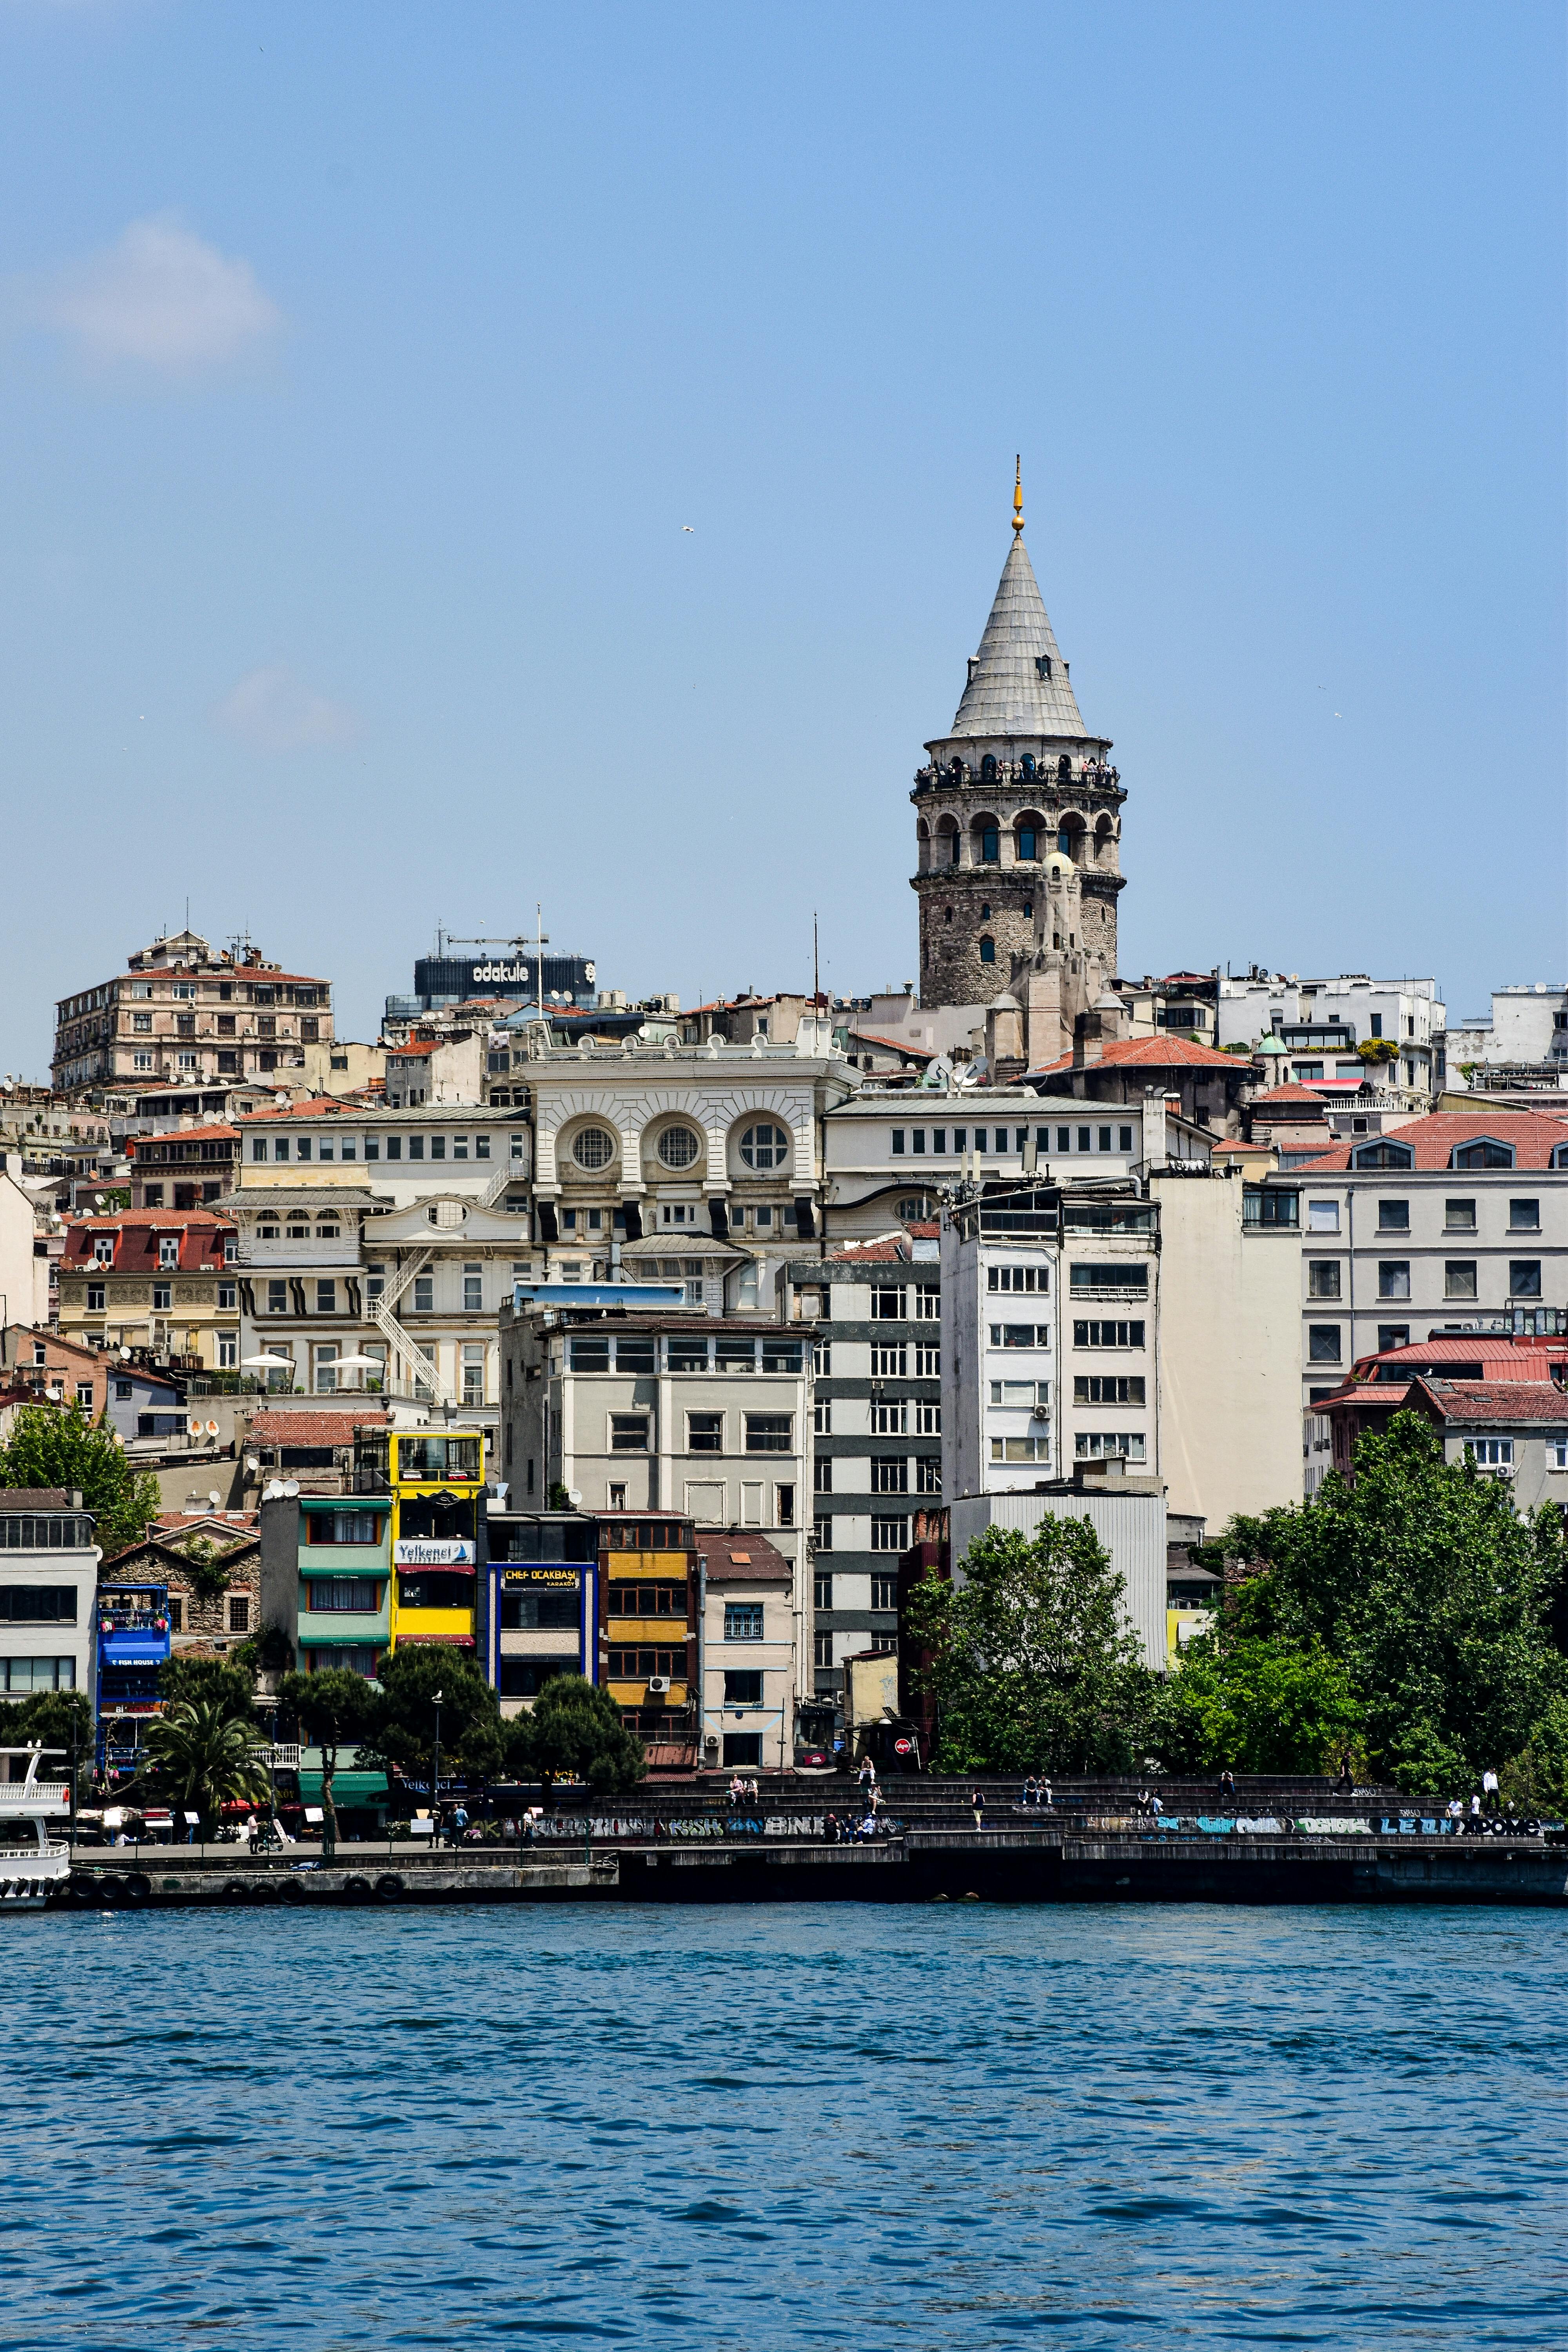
(1258, 1705)
(402, 1728)
(336, 1709)
(1031, 1664)
(228, 1683)
(62, 1445)
(575, 1733)
(54, 1719)
(1430, 1591)
(204, 1758)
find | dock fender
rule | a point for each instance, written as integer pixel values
(389, 1888)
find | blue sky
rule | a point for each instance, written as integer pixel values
(360, 369)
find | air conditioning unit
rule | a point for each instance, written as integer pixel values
(657, 1682)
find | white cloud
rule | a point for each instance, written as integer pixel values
(270, 708)
(161, 299)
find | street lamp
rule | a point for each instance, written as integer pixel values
(436, 1775)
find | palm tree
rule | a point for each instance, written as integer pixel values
(205, 1758)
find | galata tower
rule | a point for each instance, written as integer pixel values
(1017, 778)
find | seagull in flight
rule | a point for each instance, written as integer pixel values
(686, 526)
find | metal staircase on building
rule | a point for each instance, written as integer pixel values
(422, 1371)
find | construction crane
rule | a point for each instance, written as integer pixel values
(444, 940)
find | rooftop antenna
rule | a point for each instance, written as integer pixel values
(815, 973)
(538, 964)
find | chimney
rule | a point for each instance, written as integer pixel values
(1155, 1149)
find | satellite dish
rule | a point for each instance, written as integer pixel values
(125, 1354)
(195, 1427)
(212, 1429)
(291, 1485)
(252, 1464)
(575, 1495)
(214, 1498)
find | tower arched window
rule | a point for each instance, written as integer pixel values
(987, 950)
(988, 768)
(1027, 841)
(990, 845)
(1028, 763)
(956, 772)
(1064, 768)
(1064, 840)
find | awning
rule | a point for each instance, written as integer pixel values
(437, 1641)
(348, 1789)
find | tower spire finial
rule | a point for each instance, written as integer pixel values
(1019, 493)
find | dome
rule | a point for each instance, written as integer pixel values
(1057, 864)
(1004, 1003)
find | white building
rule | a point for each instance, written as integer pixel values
(48, 1589)
(751, 1639)
(1457, 1221)
(1526, 1037)
(1323, 1023)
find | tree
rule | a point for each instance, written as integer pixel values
(61, 1719)
(1434, 1595)
(1259, 1705)
(335, 1708)
(1031, 1664)
(60, 1445)
(204, 1758)
(403, 1721)
(574, 1732)
(226, 1683)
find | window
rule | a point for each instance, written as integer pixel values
(822, 1592)
(1491, 1453)
(1323, 1216)
(768, 1432)
(822, 1358)
(142, 1024)
(928, 1474)
(765, 1145)
(36, 1673)
(1021, 1449)
(884, 1592)
(928, 1303)
(1459, 1277)
(1393, 1216)
(175, 1608)
(1105, 1445)
(163, 1298)
(1020, 1335)
(277, 1298)
(1557, 1451)
(1393, 1278)
(1017, 1278)
(1025, 1394)
(1322, 1343)
(677, 1146)
(238, 1614)
(423, 1293)
(1524, 1278)
(103, 1249)
(705, 1433)
(889, 1535)
(629, 1432)
(1487, 1153)
(594, 1148)
(95, 1292)
(473, 1289)
(1382, 1154)
(898, 1141)
(888, 1362)
(1391, 1335)
(1108, 1388)
(988, 947)
(890, 1474)
(742, 1620)
(643, 1599)
(822, 1531)
(474, 1373)
(228, 1350)
(1524, 1216)
(141, 1061)
(305, 1147)
(743, 1689)
(1322, 1278)
(1459, 1216)
(38, 1604)
(888, 1420)
(822, 1417)
(928, 1416)
(888, 1305)
(326, 1298)
(227, 1297)
(1116, 1274)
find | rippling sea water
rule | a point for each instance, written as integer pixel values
(830, 2126)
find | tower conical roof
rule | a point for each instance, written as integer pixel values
(1010, 691)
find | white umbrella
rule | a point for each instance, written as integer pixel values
(359, 1363)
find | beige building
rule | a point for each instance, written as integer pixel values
(184, 1013)
(162, 1279)
(751, 1635)
(339, 1065)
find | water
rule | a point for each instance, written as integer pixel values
(743, 2129)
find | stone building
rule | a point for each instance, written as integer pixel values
(184, 1014)
(1017, 824)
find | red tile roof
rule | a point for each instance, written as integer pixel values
(1277, 1096)
(1487, 1400)
(1505, 1358)
(1151, 1054)
(892, 1044)
(200, 1231)
(308, 1107)
(187, 1135)
(742, 1556)
(1533, 1135)
(312, 1428)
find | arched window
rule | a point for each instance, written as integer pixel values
(594, 1148)
(1486, 1152)
(1028, 840)
(1064, 840)
(947, 914)
(677, 1146)
(988, 768)
(1064, 768)
(1382, 1154)
(987, 950)
(1028, 763)
(990, 845)
(765, 1145)
(956, 772)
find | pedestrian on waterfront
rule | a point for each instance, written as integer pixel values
(978, 1802)
(1489, 1790)
(1031, 1794)
(834, 1833)
(1346, 1780)
(1475, 1812)
(752, 1790)
(1155, 1807)
(868, 1774)
(1043, 1793)
(1227, 1785)
(1144, 1805)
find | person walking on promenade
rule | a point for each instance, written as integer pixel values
(1475, 1812)
(1489, 1790)
(1227, 1786)
(978, 1802)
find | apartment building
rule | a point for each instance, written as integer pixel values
(1334, 1031)
(875, 1308)
(188, 1168)
(183, 1013)
(1454, 1223)
(1144, 1324)
(539, 1612)
(1523, 1042)
(374, 1246)
(656, 1411)
(163, 1280)
(750, 1634)
(48, 1580)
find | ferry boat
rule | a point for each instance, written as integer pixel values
(33, 1866)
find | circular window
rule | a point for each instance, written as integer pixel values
(765, 1145)
(594, 1148)
(677, 1146)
